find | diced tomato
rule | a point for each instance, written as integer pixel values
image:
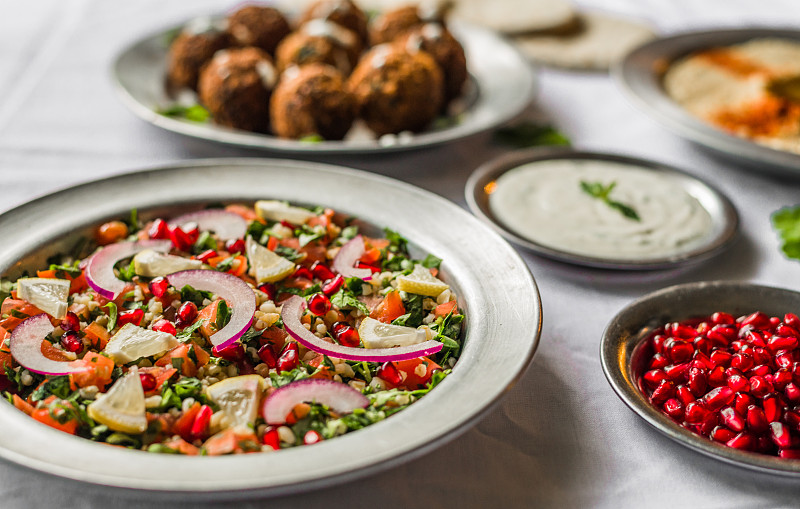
(202, 356)
(299, 411)
(413, 380)
(391, 308)
(23, 405)
(183, 426)
(53, 353)
(20, 307)
(209, 314)
(371, 256)
(274, 336)
(247, 213)
(376, 243)
(272, 243)
(97, 334)
(231, 441)
(182, 446)
(161, 374)
(77, 283)
(445, 309)
(188, 367)
(43, 415)
(96, 371)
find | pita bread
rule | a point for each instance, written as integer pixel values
(599, 41)
(516, 16)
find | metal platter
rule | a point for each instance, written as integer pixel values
(640, 74)
(725, 220)
(502, 307)
(502, 85)
(623, 352)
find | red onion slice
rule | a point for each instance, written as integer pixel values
(293, 309)
(337, 396)
(226, 225)
(236, 293)
(100, 268)
(346, 258)
(26, 347)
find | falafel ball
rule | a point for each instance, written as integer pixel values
(190, 51)
(259, 26)
(320, 41)
(342, 12)
(392, 24)
(312, 100)
(437, 41)
(236, 86)
(397, 90)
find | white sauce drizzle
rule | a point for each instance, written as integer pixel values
(543, 202)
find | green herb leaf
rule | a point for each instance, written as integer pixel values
(195, 113)
(288, 253)
(529, 134)
(223, 314)
(787, 222)
(127, 273)
(195, 296)
(186, 333)
(56, 385)
(345, 299)
(226, 264)
(112, 316)
(431, 262)
(601, 192)
(312, 138)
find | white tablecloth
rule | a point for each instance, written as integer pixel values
(560, 438)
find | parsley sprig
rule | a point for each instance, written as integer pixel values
(601, 192)
(787, 222)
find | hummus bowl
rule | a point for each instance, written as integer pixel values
(641, 75)
(502, 327)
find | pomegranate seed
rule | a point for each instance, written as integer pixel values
(664, 391)
(674, 408)
(781, 378)
(709, 423)
(70, 322)
(791, 320)
(780, 434)
(348, 336)
(792, 393)
(287, 224)
(164, 326)
(267, 356)
(372, 268)
(332, 286)
(741, 361)
(337, 326)
(319, 304)
(159, 286)
(311, 437)
(134, 316)
(235, 246)
(677, 371)
(761, 370)
(789, 453)
(718, 398)
(679, 330)
(207, 255)
(756, 338)
(658, 361)
(702, 360)
(148, 382)
(269, 289)
(772, 409)
(792, 418)
(757, 320)
(784, 360)
(721, 358)
(759, 387)
(720, 434)
(695, 413)
(181, 239)
(731, 419)
(787, 330)
(289, 358)
(756, 420)
(722, 318)
(697, 381)
(658, 343)
(233, 352)
(321, 271)
(761, 356)
(304, 273)
(158, 230)
(742, 441)
(71, 341)
(187, 314)
(654, 377)
(742, 402)
(738, 383)
(390, 373)
(776, 343)
(685, 395)
(271, 438)
(721, 334)
(702, 345)
(201, 422)
(716, 377)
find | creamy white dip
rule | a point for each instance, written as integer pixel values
(543, 202)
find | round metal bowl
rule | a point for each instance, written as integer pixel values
(725, 220)
(623, 353)
(502, 85)
(502, 307)
(640, 75)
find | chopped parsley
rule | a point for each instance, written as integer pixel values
(601, 192)
(786, 222)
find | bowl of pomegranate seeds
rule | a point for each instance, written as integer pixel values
(714, 366)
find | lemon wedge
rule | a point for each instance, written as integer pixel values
(282, 211)
(421, 282)
(49, 295)
(238, 397)
(149, 263)
(267, 266)
(376, 334)
(122, 408)
(132, 342)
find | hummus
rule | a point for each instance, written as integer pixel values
(751, 90)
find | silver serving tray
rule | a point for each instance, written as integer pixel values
(502, 306)
(725, 220)
(622, 354)
(640, 75)
(502, 85)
